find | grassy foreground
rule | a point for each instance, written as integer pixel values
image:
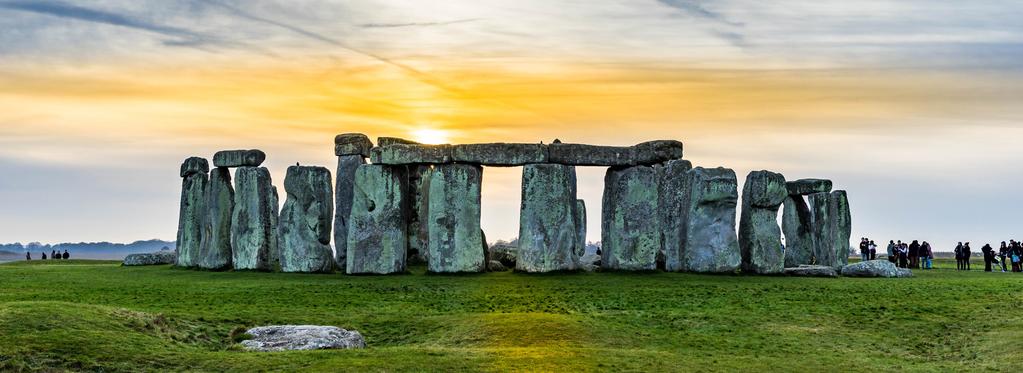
(97, 316)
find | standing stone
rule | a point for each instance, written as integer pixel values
(377, 239)
(630, 235)
(305, 221)
(823, 233)
(419, 209)
(343, 191)
(709, 239)
(547, 232)
(672, 225)
(455, 239)
(759, 234)
(192, 213)
(254, 238)
(216, 242)
(580, 226)
(352, 144)
(797, 224)
(841, 223)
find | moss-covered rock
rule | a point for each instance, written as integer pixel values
(547, 232)
(192, 212)
(759, 234)
(710, 243)
(823, 232)
(455, 239)
(797, 225)
(306, 220)
(671, 203)
(377, 240)
(254, 239)
(344, 189)
(631, 236)
(216, 240)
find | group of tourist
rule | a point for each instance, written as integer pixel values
(915, 255)
(54, 254)
(1007, 253)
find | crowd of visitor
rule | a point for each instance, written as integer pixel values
(920, 255)
(54, 254)
(914, 255)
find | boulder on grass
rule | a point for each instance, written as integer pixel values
(301, 337)
(875, 268)
(812, 271)
(149, 259)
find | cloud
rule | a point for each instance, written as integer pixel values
(417, 24)
(697, 10)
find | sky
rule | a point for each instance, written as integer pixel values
(913, 107)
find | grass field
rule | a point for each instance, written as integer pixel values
(97, 316)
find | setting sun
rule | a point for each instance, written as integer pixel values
(430, 136)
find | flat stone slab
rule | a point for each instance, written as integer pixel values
(811, 271)
(875, 268)
(352, 144)
(239, 158)
(302, 337)
(590, 155)
(499, 154)
(404, 154)
(194, 165)
(150, 259)
(387, 141)
(804, 187)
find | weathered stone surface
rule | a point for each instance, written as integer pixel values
(148, 259)
(505, 253)
(306, 220)
(580, 226)
(671, 204)
(823, 233)
(301, 337)
(589, 262)
(195, 165)
(496, 266)
(804, 187)
(239, 158)
(657, 151)
(499, 154)
(871, 268)
(797, 224)
(254, 240)
(377, 239)
(811, 271)
(841, 223)
(709, 239)
(547, 232)
(388, 141)
(455, 240)
(216, 234)
(352, 144)
(403, 154)
(630, 235)
(344, 189)
(903, 272)
(759, 234)
(418, 195)
(192, 213)
(590, 155)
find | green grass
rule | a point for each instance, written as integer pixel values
(97, 316)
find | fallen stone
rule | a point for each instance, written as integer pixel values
(388, 141)
(821, 227)
(499, 154)
(580, 226)
(306, 221)
(841, 223)
(504, 253)
(194, 165)
(377, 239)
(811, 271)
(344, 189)
(352, 144)
(671, 205)
(496, 266)
(418, 195)
(872, 268)
(254, 239)
(710, 243)
(547, 232)
(192, 212)
(797, 225)
(239, 158)
(404, 154)
(759, 234)
(804, 187)
(590, 155)
(903, 272)
(216, 240)
(301, 337)
(589, 262)
(149, 259)
(657, 151)
(630, 235)
(455, 238)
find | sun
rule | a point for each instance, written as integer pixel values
(430, 136)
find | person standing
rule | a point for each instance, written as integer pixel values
(864, 250)
(988, 252)
(903, 256)
(872, 247)
(66, 255)
(1003, 252)
(43, 255)
(891, 251)
(959, 256)
(926, 254)
(1016, 255)
(28, 255)
(966, 255)
(914, 255)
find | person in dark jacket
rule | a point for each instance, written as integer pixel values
(926, 255)
(66, 255)
(891, 251)
(959, 256)
(914, 255)
(873, 250)
(43, 255)
(864, 250)
(966, 255)
(989, 255)
(53, 254)
(1016, 255)
(28, 255)
(1003, 253)
(903, 256)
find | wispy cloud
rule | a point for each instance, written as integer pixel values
(417, 24)
(696, 9)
